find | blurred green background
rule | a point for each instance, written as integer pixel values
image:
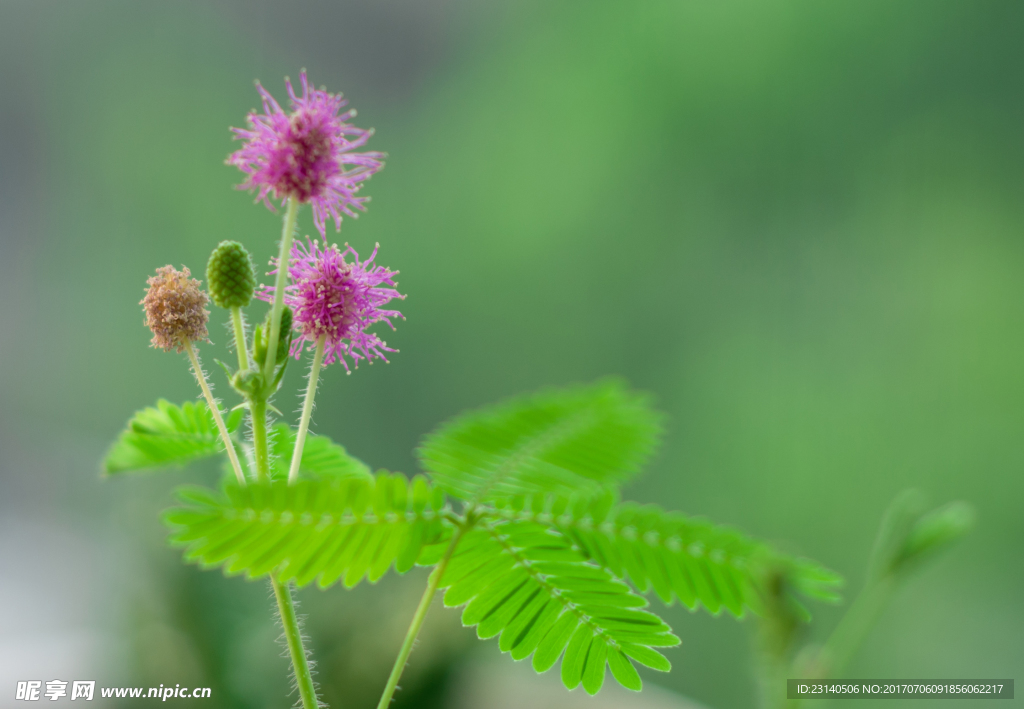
(800, 225)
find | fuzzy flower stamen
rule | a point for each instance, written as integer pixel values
(175, 309)
(308, 154)
(338, 300)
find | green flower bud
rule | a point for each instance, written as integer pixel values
(247, 382)
(230, 275)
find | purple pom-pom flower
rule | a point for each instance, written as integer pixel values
(337, 299)
(308, 154)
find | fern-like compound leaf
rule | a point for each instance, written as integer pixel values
(528, 584)
(324, 529)
(676, 556)
(167, 435)
(574, 440)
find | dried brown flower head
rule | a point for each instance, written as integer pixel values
(174, 307)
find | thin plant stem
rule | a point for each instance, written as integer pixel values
(417, 622)
(258, 413)
(307, 409)
(240, 346)
(260, 447)
(844, 641)
(292, 633)
(287, 234)
(261, 452)
(215, 410)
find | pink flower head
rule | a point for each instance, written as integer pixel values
(339, 299)
(307, 154)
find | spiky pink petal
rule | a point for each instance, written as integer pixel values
(330, 296)
(309, 153)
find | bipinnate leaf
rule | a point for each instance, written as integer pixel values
(527, 583)
(167, 435)
(320, 456)
(325, 529)
(575, 440)
(671, 554)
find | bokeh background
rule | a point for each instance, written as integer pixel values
(800, 225)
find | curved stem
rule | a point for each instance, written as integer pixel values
(307, 409)
(417, 622)
(303, 675)
(260, 448)
(240, 346)
(215, 410)
(287, 233)
(855, 624)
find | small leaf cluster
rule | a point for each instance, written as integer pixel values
(519, 511)
(284, 342)
(251, 383)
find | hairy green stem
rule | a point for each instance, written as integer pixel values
(215, 410)
(258, 413)
(292, 633)
(240, 346)
(417, 621)
(260, 447)
(287, 234)
(307, 409)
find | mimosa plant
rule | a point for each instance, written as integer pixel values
(517, 510)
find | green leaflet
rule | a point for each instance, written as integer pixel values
(320, 456)
(526, 582)
(573, 440)
(167, 435)
(327, 529)
(676, 556)
(910, 534)
(933, 532)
